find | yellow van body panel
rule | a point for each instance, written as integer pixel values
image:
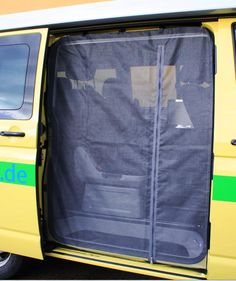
(19, 231)
(222, 253)
(225, 89)
(19, 222)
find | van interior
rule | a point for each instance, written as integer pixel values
(129, 118)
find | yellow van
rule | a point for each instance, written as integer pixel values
(118, 135)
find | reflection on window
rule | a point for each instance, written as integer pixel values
(13, 67)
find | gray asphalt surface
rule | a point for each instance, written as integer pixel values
(51, 269)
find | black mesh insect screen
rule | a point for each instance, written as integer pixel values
(130, 133)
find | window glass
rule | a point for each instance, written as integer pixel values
(18, 65)
(13, 67)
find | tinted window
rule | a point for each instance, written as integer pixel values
(18, 64)
(13, 66)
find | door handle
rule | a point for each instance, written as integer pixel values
(233, 142)
(12, 134)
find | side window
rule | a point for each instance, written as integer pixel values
(13, 66)
(18, 63)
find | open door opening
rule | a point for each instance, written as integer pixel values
(130, 120)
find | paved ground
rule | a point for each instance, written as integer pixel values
(59, 269)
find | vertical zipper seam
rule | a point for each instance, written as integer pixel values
(160, 52)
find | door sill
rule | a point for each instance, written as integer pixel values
(139, 267)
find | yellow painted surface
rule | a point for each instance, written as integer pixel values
(20, 212)
(225, 166)
(19, 230)
(225, 89)
(222, 254)
(223, 231)
(223, 268)
(16, 6)
(21, 243)
(155, 270)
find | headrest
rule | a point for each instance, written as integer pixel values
(111, 88)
